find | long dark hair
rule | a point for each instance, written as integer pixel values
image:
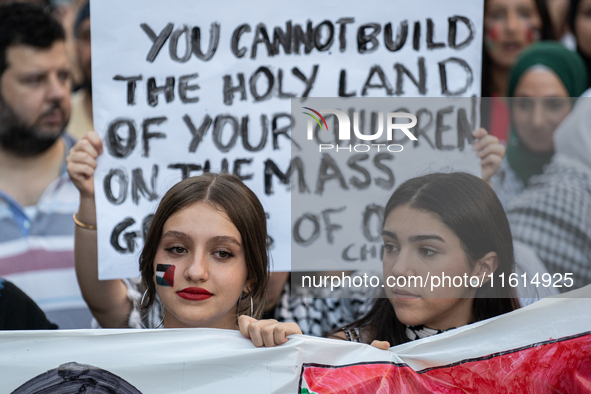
(470, 208)
(227, 193)
(572, 16)
(546, 32)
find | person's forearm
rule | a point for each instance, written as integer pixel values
(107, 300)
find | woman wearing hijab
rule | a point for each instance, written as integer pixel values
(541, 85)
(553, 215)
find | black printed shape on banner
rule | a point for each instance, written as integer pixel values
(131, 85)
(453, 32)
(352, 163)
(329, 170)
(420, 83)
(121, 147)
(370, 211)
(343, 22)
(122, 181)
(329, 225)
(307, 38)
(147, 135)
(261, 36)
(186, 169)
(129, 237)
(184, 87)
(431, 44)
(272, 169)
(192, 42)
(264, 134)
(157, 40)
(291, 39)
(197, 133)
(416, 36)
(280, 92)
(77, 378)
(365, 252)
(218, 127)
(314, 220)
(282, 38)
(401, 36)
(271, 84)
(230, 89)
(238, 163)
(138, 185)
(383, 81)
(368, 43)
(298, 238)
(270, 81)
(343, 85)
(309, 82)
(464, 129)
(443, 76)
(419, 130)
(214, 40)
(153, 91)
(384, 183)
(174, 43)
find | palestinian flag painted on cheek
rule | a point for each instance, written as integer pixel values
(165, 275)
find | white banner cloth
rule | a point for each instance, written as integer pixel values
(540, 348)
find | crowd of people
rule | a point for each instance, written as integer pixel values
(205, 259)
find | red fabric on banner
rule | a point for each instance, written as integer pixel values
(562, 366)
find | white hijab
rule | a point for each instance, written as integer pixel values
(572, 138)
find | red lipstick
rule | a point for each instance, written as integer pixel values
(194, 294)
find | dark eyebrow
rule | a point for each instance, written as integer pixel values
(414, 238)
(34, 74)
(223, 239)
(213, 240)
(176, 234)
(417, 238)
(389, 234)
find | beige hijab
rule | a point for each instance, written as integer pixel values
(572, 139)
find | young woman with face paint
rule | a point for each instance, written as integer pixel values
(510, 26)
(435, 224)
(204, 260)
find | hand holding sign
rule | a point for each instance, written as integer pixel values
(490, 151)
(267, 333)
(384, 345)
(82, 162)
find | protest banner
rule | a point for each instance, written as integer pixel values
(524, 351)
(178, 91)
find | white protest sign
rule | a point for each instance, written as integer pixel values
(545, 347)
(182, 87)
